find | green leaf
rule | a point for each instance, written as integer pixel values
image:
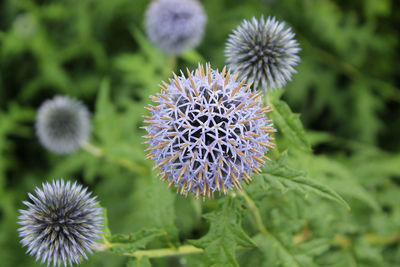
(224, 236)
(106, 230)
(161, 208)
(341, 179)
(156, 56)
(142, 262)
(316, 247)
(106, 126)
(277, 253)
(376, 8)
(121, 244)
(289, 124)
(278, 174)
(192, 56)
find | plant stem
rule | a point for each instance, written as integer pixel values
(374, 239)
(260, 226)
(94, 150)
(126, 163)
(267, 101)
(170, 65)
(255, 212)
(165, 252)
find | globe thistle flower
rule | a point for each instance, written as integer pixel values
(61, 223)
(208, 132)
(175, 25)
(264, 52)
(62, 124)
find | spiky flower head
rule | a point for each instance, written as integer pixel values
(61, 223)
(264, 52)
(62, 124)
(208, 132)
(175, 25)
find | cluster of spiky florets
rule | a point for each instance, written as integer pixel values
(264, 52)
(62, 124)
(207, 132)
(175, 25)
(61, 224)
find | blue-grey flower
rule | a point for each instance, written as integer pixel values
(264, 52)
(175, 25)
(61, 223)
(62, 124)
(207, 132)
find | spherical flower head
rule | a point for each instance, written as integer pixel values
(62, 124)
(175, 25)
(208, 132)
(61, 223)
(264, 52)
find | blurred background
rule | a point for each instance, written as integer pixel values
(346, 90)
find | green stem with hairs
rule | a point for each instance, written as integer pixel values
(341, 241)
(155, 253)
(267, 101)
(258, 223)
(170, 66)
(165, 252)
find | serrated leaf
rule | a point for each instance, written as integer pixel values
(121, 244)
(342, 176)
(278, 174)
(276, 253)
(289, 124)
(224, 236)
(316, 247)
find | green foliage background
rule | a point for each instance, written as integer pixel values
(296, 213)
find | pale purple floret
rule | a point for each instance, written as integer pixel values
(175, 26)
(62, 124)
(61, 223)
(209, 138)
(264, 52)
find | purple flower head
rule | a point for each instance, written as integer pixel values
(207, 132)
(62, 223)
(264, 52)
(175, 25)
(62, 124)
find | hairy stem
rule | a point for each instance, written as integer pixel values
(170, 65)
(255, 213)
(267, 100)
(260, 225)
(165, 252)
